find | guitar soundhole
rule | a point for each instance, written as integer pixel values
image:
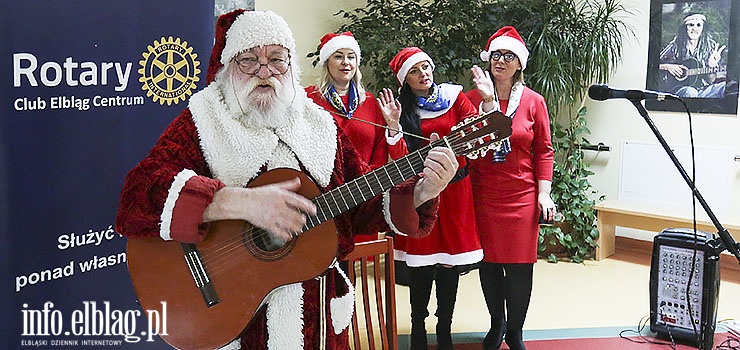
(265, 246)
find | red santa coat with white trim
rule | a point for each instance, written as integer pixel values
(454, 237)
(505, 193)
(203, 150)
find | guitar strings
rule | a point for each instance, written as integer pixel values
(219, 259)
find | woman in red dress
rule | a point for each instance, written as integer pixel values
(511, 187)
(357, 112)
(435, 108)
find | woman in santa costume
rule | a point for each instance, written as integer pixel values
(511, 186)
(429, 108)
(254, 117)
(357, 112)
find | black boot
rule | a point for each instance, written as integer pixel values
(495, 336)
(420, 289)
(492, 284)
(447, 279)
(514, 340)
(518, 290)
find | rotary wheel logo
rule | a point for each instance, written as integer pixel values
(169, 71)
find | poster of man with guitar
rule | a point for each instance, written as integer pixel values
(692, 64)
(239, 212)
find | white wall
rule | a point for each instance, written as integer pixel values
(615, 121)
(309, 21)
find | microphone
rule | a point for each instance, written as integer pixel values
(601, 92)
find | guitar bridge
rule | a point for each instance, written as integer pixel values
(200, 276)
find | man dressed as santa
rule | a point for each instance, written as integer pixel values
(251, 118)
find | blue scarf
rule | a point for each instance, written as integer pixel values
(435, 101)
(336, 100)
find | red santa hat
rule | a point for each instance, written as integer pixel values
(405, 59)
(241, 30)
(506, 38)
(332, 42)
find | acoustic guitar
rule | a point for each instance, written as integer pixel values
(693, 74)
(213, 288)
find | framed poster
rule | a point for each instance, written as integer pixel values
(693, 53)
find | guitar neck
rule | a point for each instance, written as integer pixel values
(703, 70)
(361, 189)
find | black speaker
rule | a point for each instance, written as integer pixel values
(675, 314)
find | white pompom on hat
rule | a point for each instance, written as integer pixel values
(506, 38)
(257, 28)
(405, 59)
(332, 42)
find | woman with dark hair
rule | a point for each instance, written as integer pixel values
(426, 108)
(692, 62)
(511, 186)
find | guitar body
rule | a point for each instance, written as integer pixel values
(241, 272)
(694, 75)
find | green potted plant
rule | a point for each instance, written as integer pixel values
(572, 44)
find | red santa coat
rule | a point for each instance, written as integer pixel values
(454, 237)
(505, 193)
(204, 150)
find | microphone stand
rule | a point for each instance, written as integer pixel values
(705, 336)
(725, 240)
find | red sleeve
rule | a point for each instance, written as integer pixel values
(161, 178)
(542, 149)
(474, 97)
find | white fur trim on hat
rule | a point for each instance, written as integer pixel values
(257, 28)
(410, 62)
(507, 43)
(337, 43)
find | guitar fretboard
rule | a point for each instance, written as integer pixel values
(361, 189)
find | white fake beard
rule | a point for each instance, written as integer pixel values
(258, 109)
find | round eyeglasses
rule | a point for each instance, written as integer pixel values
(252, 65)
(508, 57)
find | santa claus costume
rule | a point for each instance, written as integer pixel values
(209, 146)
(505, 191)
(454, 238)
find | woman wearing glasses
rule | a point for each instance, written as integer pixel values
(429, 108)
(511, 186)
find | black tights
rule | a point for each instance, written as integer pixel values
(509, 283)
(420, 289)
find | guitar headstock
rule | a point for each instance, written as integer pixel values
(476, 136)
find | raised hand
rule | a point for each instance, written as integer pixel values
(390, 108)
(483, 82)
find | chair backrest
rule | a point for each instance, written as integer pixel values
(372, 263)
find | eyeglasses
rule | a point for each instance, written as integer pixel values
(508, 57)
(252, 65)
(698, 25)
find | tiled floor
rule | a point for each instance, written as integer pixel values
(597, 299)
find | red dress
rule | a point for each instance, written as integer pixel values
(454, 237)
(505, 193)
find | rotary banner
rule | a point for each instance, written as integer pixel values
(87, 88)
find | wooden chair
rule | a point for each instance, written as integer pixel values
(378, 301)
